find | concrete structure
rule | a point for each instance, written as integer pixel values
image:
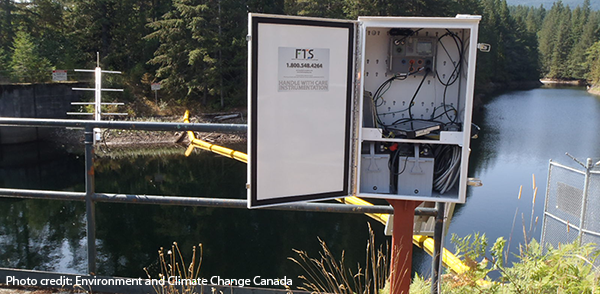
(51, 100)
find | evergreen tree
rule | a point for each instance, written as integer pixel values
(186, 55)
(547, 36)
(558, 67)
(588, 34)
(26, 63)
(355, 8)
(4, 60)
(593, 63)
(319, 8)
(45, 22)
(265, 6)
(7, 7)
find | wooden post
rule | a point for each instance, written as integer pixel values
(401, 262)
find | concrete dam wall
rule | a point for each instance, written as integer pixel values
(34, 101)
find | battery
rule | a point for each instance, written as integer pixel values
(374, 173)
(416, 177)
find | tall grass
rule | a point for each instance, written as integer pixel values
(325, 274)
(172, 264)
(569, 268)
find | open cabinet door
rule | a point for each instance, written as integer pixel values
(300, 100)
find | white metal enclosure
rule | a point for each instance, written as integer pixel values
(379, 107)
(300, 96)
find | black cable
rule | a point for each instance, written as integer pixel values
(404, 167)
(416, 92)
(403, 120)
(392, 163)
(455, 72)
(458, 66)
(452, 108)
(378, 94)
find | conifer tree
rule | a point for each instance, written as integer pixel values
(6, 26)
(547, 36)
(26, 63)
(593, 63)
(186, 55)
(585, 32)
(563, 43)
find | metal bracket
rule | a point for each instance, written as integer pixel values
(416, 169)
(484, 47)
(474, 182)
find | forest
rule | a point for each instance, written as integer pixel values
(197, 49)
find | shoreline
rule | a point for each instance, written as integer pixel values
(564, 82)
(594, 90)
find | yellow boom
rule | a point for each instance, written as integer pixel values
(450, 260)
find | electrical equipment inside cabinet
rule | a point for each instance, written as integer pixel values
(411, 55)
(412, 93)
(419, 92)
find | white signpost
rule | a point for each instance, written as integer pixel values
(155, 87)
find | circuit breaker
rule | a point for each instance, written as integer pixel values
(377, 107)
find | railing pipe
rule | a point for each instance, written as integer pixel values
(123, 125)
(201, 202)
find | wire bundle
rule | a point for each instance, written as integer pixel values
(455, 72)
(447, 165)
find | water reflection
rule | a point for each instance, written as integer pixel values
(521, 132)
(41, 234)
(238, 243)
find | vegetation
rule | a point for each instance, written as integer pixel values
(566, 269)
(173, 264)
(328, 275)
(26, 63)
(197, 49)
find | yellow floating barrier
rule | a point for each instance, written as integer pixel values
(425, 242)
(197, 143)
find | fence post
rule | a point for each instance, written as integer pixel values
(90, 211)
(544, 219)
(586, 184)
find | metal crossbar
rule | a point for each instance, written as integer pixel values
(91, 197)
(122, 125)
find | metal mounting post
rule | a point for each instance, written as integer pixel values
(436, 266)
(90, 211)
(401, 261)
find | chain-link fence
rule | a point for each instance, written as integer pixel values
(572, 209)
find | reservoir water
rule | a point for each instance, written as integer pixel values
(521, 131)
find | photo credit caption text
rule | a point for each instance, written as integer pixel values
(171, 281)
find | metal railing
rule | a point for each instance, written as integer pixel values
(91, 197)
